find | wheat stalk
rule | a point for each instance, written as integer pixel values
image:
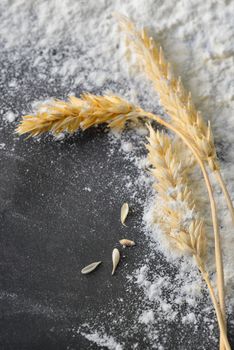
(89, 110)
(79, 113)
(187, 120)
(177, 210)
(34, 128)
(175, 99)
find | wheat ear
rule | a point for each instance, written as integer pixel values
(218, 249)
(175, 99)
(176, 201)
(78, 113)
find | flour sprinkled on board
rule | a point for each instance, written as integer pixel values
(103, 340)
(9, 117)
(92, 59)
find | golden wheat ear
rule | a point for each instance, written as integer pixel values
(175, 201)
(174, 98)
(79, 113)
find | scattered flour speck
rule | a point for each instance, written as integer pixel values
(147, 317)
(88, 189)
(103, 340)
(9, 117)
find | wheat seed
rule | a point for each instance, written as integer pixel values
(124, 213)
(127, 242)
(115, 259)
(90, 267)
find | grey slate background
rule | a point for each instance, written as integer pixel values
(50, 227)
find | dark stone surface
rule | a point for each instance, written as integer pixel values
(50, 228)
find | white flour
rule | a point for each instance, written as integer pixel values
(198, 38)
(103, 340)
(9, 117)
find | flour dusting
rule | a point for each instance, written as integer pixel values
(103, 340)
(197, 37)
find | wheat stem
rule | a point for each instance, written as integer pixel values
(225, 192)
(222, 325)
(218, 250)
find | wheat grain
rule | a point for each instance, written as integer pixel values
(91, 267)
(79, 113)
(127, 242)
(185, 155)
(115, 259)
(124, 213)
(179, 218)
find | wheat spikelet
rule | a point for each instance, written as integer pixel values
(177, 213)
(184, 154)
(174, 98)
(79, 113)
